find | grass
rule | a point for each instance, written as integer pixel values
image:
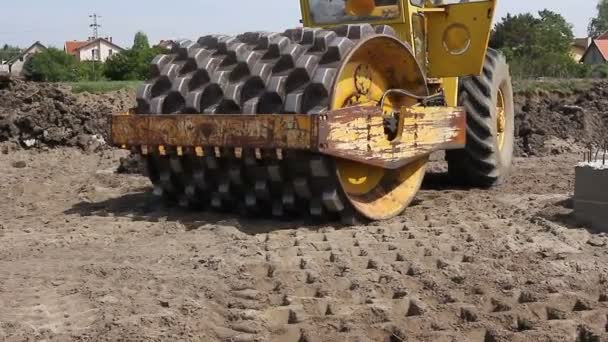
(566, 85)
(101, 87)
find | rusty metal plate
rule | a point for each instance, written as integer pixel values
(357, 134)
(255, 131)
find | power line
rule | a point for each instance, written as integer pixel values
(96, 53)
(95, 25)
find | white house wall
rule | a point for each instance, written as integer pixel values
(86, 53)
(17, 67)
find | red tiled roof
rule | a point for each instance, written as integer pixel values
(602, 45)
(94, 41)
(71, 47)
(603, 37)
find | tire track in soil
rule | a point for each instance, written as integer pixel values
(495, 265)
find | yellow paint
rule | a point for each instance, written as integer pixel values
(447, 27)
(458, 38)
(200, 152)
(422, 130)
(450, 91)
(376, 65)
(501, 120)
(161, 150)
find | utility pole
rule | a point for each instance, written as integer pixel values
(95, 26)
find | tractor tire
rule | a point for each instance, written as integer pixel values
(252, 73)
(488, 100)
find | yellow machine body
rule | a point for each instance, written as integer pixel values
(337, 118)
(449, 40)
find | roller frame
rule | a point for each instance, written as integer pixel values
(354, 133)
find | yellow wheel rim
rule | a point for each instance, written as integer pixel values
(501, 120)
(376, 65)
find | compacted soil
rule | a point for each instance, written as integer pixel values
(90, 255)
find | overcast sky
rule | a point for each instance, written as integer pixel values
(54, 22)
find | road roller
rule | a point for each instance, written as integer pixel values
(333, 120)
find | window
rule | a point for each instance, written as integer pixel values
(110, 53)
(340, 11)
(95, 54)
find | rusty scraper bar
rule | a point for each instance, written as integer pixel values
(354, 133)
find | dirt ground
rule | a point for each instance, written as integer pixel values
(88, 255)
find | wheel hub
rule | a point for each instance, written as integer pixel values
(373, 67)
(501, 120)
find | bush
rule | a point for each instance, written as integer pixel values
(133, 64)
(600, 71)
(52, 65)
(90, 71)
(119, 67)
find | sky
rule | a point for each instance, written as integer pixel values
(54, 22)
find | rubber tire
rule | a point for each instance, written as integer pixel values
(481, 163)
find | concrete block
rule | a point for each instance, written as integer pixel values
(591, 195)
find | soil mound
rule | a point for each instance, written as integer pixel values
(45, 115)
(50, 115)
(559, 121)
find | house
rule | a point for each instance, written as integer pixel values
(99, 49)
(71, 46)
(16, 64)
(597, 53)
(167, 44)
(578, 47)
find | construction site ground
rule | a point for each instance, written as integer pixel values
(87, 254)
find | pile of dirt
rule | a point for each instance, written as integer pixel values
(560, 121)
(38, 115)
(45, 115)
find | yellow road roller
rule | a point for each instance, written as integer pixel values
(333, 120)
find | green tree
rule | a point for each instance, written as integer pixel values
(121, 67)
(52, 65)
(91, 71)
(133, 64)
(515, 32)
(599, 24)
(7, 52)
(140, 42)
(537, 46)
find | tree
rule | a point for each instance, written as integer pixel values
(122, 67)
(133, 64)
(140, 42)
(7, 52)
(537, 46)
(599, 24)
(52, 65)
(90, 71)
